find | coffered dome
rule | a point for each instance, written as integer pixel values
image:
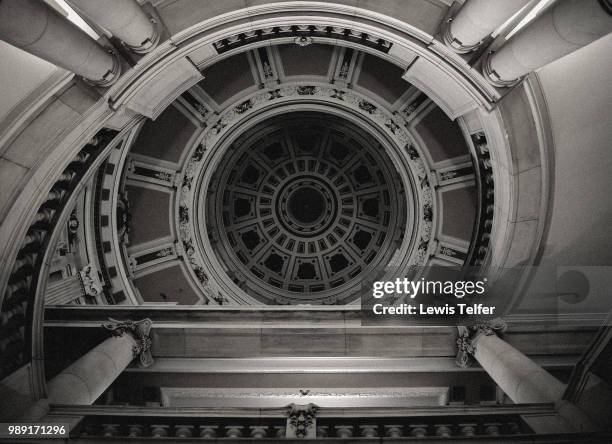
(304, 207)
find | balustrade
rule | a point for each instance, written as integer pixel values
(272, 428)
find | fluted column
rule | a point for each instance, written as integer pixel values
(476, 20)
(125, 19)
(567, 26)
(518, 376)
(87, 378)
(36, 28)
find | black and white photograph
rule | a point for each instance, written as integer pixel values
(303, 221)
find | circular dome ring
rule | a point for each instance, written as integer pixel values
(312, 156)
(209, 148)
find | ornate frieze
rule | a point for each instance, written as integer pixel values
(303, 35)
(90, 280)
(480, 244)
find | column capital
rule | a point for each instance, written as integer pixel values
(140, 330)
(468, 336)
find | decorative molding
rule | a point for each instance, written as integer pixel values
(414, 105)
(90, 280)
(458, 413)
(194, 101)
(177, 397)
(163, 88)
(328, 365)
(147, 172)
(468, 337)
(116, 211)
(141, 331)
(303, 35)
(453, 100)
(160, 253)
(124, 218)
(301, 421)
(264, 59)
(456, 173)
(344, 70)
(481, 235)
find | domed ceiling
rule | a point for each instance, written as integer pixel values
(304, 207)
(288, 175)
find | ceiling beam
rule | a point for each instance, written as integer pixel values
(301, 365)
(197, 412)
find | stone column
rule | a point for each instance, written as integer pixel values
(86, 379)
(36, 28)
(518, 376)
(125, 19)
(476, 20)
(567, 26)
